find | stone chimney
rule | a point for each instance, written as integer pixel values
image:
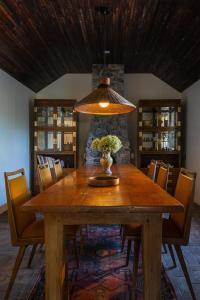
(104, 125)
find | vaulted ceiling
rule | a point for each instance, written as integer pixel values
(40, 40)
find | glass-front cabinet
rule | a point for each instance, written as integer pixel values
(54, 128)
(55, 133)
(159, 131)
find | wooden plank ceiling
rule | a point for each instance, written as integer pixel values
(40, 40)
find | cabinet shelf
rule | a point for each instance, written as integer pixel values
(54, 128)
(159, 129)
(159, 152)
(55, 153)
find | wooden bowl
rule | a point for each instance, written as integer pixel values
(103, 180)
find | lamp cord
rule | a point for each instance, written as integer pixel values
(104, 42)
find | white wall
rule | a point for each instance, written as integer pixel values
(14, 127)
(192, 98)
(137, 86)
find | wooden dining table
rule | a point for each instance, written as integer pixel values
(72, 201)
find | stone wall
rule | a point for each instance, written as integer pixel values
(104, 125)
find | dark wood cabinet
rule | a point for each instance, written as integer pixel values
(55, 134)
(160, 134)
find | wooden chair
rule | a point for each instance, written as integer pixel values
(45, 181)
(163, 173)
(176, 229)
(151, 173)
(44, 176)
(25, 230)
(152, 168)
(58, 170)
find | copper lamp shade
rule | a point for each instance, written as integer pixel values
(104, 101)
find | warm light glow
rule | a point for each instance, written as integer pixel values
(104, 104)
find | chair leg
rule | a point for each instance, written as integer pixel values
(82, 239)
(137, 244)
(165, 248)
(17, 264)
(121, 230)
(123, 243)
(76, 253)
(86, 228)
(184, 268)
(31, 255)
(128, 252)
(172, 255)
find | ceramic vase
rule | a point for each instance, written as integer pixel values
(106, 162)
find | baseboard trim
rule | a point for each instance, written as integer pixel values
(3, 208)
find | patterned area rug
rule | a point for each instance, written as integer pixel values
(102, 274)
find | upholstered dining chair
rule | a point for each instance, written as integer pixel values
(152, 167)
(25, 230)
(58, 170)
(45, 181)
(44, 176)
(176, 229)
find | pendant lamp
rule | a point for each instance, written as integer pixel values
(104, 101)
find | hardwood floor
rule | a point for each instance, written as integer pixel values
(26, 277)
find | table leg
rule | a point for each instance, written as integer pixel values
(54, 258)
(152, 240)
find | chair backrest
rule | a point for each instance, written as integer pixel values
(162, 178)
(58, 170)
(185, 194)
(44, 176)
(17, 194)
(151, 173)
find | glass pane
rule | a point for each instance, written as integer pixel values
(168, 140)
(65, 116)
(159, 116)
(167, 117)
(50, 116)
(41, 140)
(149, 116)
(147, 119)
(68, 117)
(149, 141)
(59, 141)
(45, 116)
(50, 140)
(41, 116)
(68, 141)
(59, 116)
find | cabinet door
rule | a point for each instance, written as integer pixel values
(65, 117)
(65, 141)
(44, 140)
(159, 117)
(148, 141)
(167, 117)
(160, 141)
(44, 116)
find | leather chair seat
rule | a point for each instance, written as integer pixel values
(34, 230)
(132, 229)
(71, 230)
(169, 229)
